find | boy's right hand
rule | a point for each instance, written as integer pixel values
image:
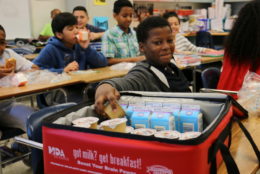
(6, 71)
(73, 66)
(105, 92)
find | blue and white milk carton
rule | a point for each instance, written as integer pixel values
(162, 121)
(190, 121)
(140, 119)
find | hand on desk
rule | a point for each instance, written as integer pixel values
(73, 66)
(105, 92)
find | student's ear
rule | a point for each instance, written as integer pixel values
(59, 35)
(141, 47)
(115, 15)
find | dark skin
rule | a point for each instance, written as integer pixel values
(158, 50)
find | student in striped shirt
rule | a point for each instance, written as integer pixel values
(182, 44)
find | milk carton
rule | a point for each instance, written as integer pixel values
(140, 119)
(190, 121)
(162, 121)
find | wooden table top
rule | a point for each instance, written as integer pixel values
(30, 56)
(241, 149)
(213, 33)
(97, 75)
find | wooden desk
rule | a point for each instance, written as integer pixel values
(241, 149)
(211, 32)
(98, 75)
(30, 56)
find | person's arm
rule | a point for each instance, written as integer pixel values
(112, 61)
(43, 38)
(182, 41)
(46, 60)
(136, 80)
(94, 36)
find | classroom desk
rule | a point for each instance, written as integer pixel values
(241, 149)
(30, 56)
(211, 32)
(98, 75)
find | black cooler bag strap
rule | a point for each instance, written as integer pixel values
(249, 137)
(226, 155)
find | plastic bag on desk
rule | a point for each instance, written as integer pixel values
(18, 79)
(249, 94)
(45, 76)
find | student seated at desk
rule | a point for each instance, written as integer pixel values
(242, 51)
(156, 73)
(64, 52)
(119, 44)
(13, 115)
(81, 14)
(182, 44)
(46, 32)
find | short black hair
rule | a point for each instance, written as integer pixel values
(171, 14)
(60, 21)
(2, 28)
(149, 24)
(119, 4)
(80, 8)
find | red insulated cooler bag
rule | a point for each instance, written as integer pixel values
(69, 149)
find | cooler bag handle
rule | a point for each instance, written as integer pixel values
(227, 157)
(249, 137)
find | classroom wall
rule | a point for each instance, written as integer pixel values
(40, 13)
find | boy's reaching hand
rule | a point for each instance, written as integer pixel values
(105, 92)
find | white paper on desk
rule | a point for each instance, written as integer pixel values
(219, 8)
(123, 66)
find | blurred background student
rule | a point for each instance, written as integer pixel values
(46, 32)
(81, 14)
(13, 115)
(242, 51)
(182, 44)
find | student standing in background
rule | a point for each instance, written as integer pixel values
(242, 52)
(182, 44)
(46, 32)
(13, 114)
(119, 44)
(81, 14)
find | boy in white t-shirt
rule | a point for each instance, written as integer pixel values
(13, 114)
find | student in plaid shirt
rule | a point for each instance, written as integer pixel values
(119, 44)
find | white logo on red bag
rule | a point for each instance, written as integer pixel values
(56, 152)
(158, 169)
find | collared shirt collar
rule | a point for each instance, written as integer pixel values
(122, 32)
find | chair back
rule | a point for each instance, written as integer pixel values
(210, 77)
(204, 39)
